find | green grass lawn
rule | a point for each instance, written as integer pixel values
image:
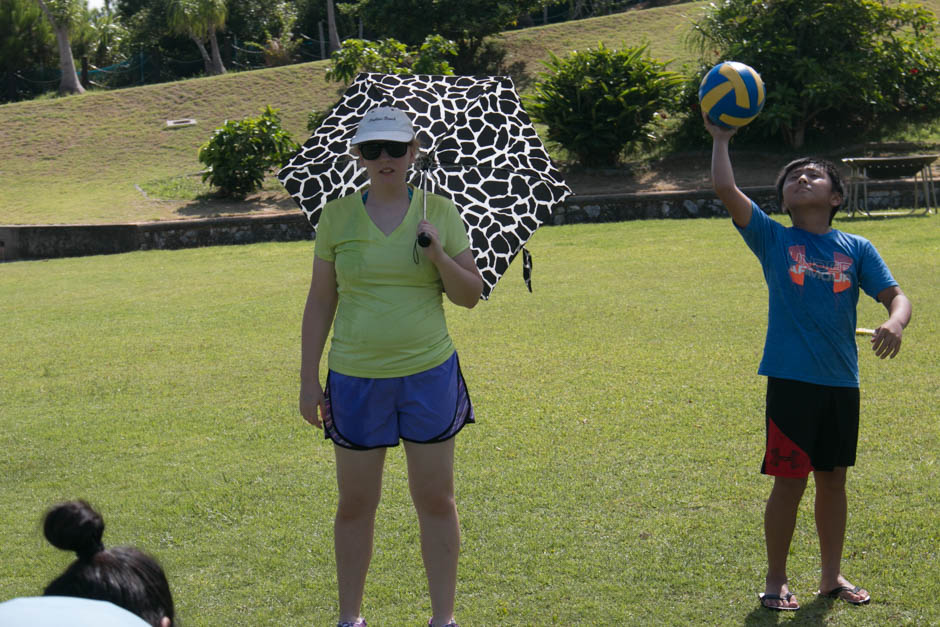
(612, 477)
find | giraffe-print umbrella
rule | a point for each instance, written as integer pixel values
(480, 150)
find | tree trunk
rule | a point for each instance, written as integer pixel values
(331, 26)
(217, 67)
(577, 8)
(794, 136)
(799, 136)
(69, 84)
(206, 61)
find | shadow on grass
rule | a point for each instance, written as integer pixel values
(197, 199)
(813, 613)
(887, 215)
(210, 205)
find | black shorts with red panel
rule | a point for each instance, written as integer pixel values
(809, 427)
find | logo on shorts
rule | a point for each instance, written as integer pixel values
(835, 272)
(795, 459)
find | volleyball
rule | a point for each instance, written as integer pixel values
(731, 94)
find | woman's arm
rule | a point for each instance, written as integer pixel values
(318, 318)
(462, 281)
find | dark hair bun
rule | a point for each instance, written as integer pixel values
(74, 526)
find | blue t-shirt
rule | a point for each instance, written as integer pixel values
(813, 283)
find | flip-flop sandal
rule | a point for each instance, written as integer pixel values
(836, 593)
(776, 597)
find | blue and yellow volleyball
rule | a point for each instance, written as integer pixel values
(731, 94)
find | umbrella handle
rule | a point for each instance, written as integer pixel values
(424, 240)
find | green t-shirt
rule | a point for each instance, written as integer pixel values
(390, 314)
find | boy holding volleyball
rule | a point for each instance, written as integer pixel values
(813, 274)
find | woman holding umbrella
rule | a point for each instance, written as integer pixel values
(393, 369)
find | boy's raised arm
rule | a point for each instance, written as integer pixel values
(737, 203)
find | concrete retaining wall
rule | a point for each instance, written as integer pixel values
(70, 240)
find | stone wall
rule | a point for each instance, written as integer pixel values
(653, 206)
(72, 240)
(42, 242)
(219, 231)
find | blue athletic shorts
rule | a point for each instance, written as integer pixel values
(809, 427)
(364, 413)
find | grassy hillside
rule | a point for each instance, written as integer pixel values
(109, 157)
(79, 158)
(664, 28)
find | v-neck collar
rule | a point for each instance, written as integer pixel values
(404, 218)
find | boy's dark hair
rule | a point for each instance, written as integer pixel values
(838, 183)
(125, 576)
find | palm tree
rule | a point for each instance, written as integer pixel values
(62, 14)
(200, 20)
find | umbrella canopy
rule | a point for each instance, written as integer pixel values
(480, 150)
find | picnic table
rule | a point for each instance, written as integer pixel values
(865, 169)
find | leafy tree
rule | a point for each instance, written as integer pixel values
(100, 38)
(241, 151)
(108, 37)
(311, 14)
(169, 55)
(266, 25)
(597, 102)
(200, 20)
(63, 15)
(390, 56)
(828, 64)
(261, 20)
(466, 22)
(27, 36)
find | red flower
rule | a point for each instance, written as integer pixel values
(914, 70)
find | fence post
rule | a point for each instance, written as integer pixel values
(322, 41)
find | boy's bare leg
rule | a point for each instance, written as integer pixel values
(359, 477)
(779, 523)
(831, 514)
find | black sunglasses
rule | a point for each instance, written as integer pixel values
(371, 151)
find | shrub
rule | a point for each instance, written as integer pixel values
(390, 56)
(316, 116)
(597, 102)
(240, 153)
